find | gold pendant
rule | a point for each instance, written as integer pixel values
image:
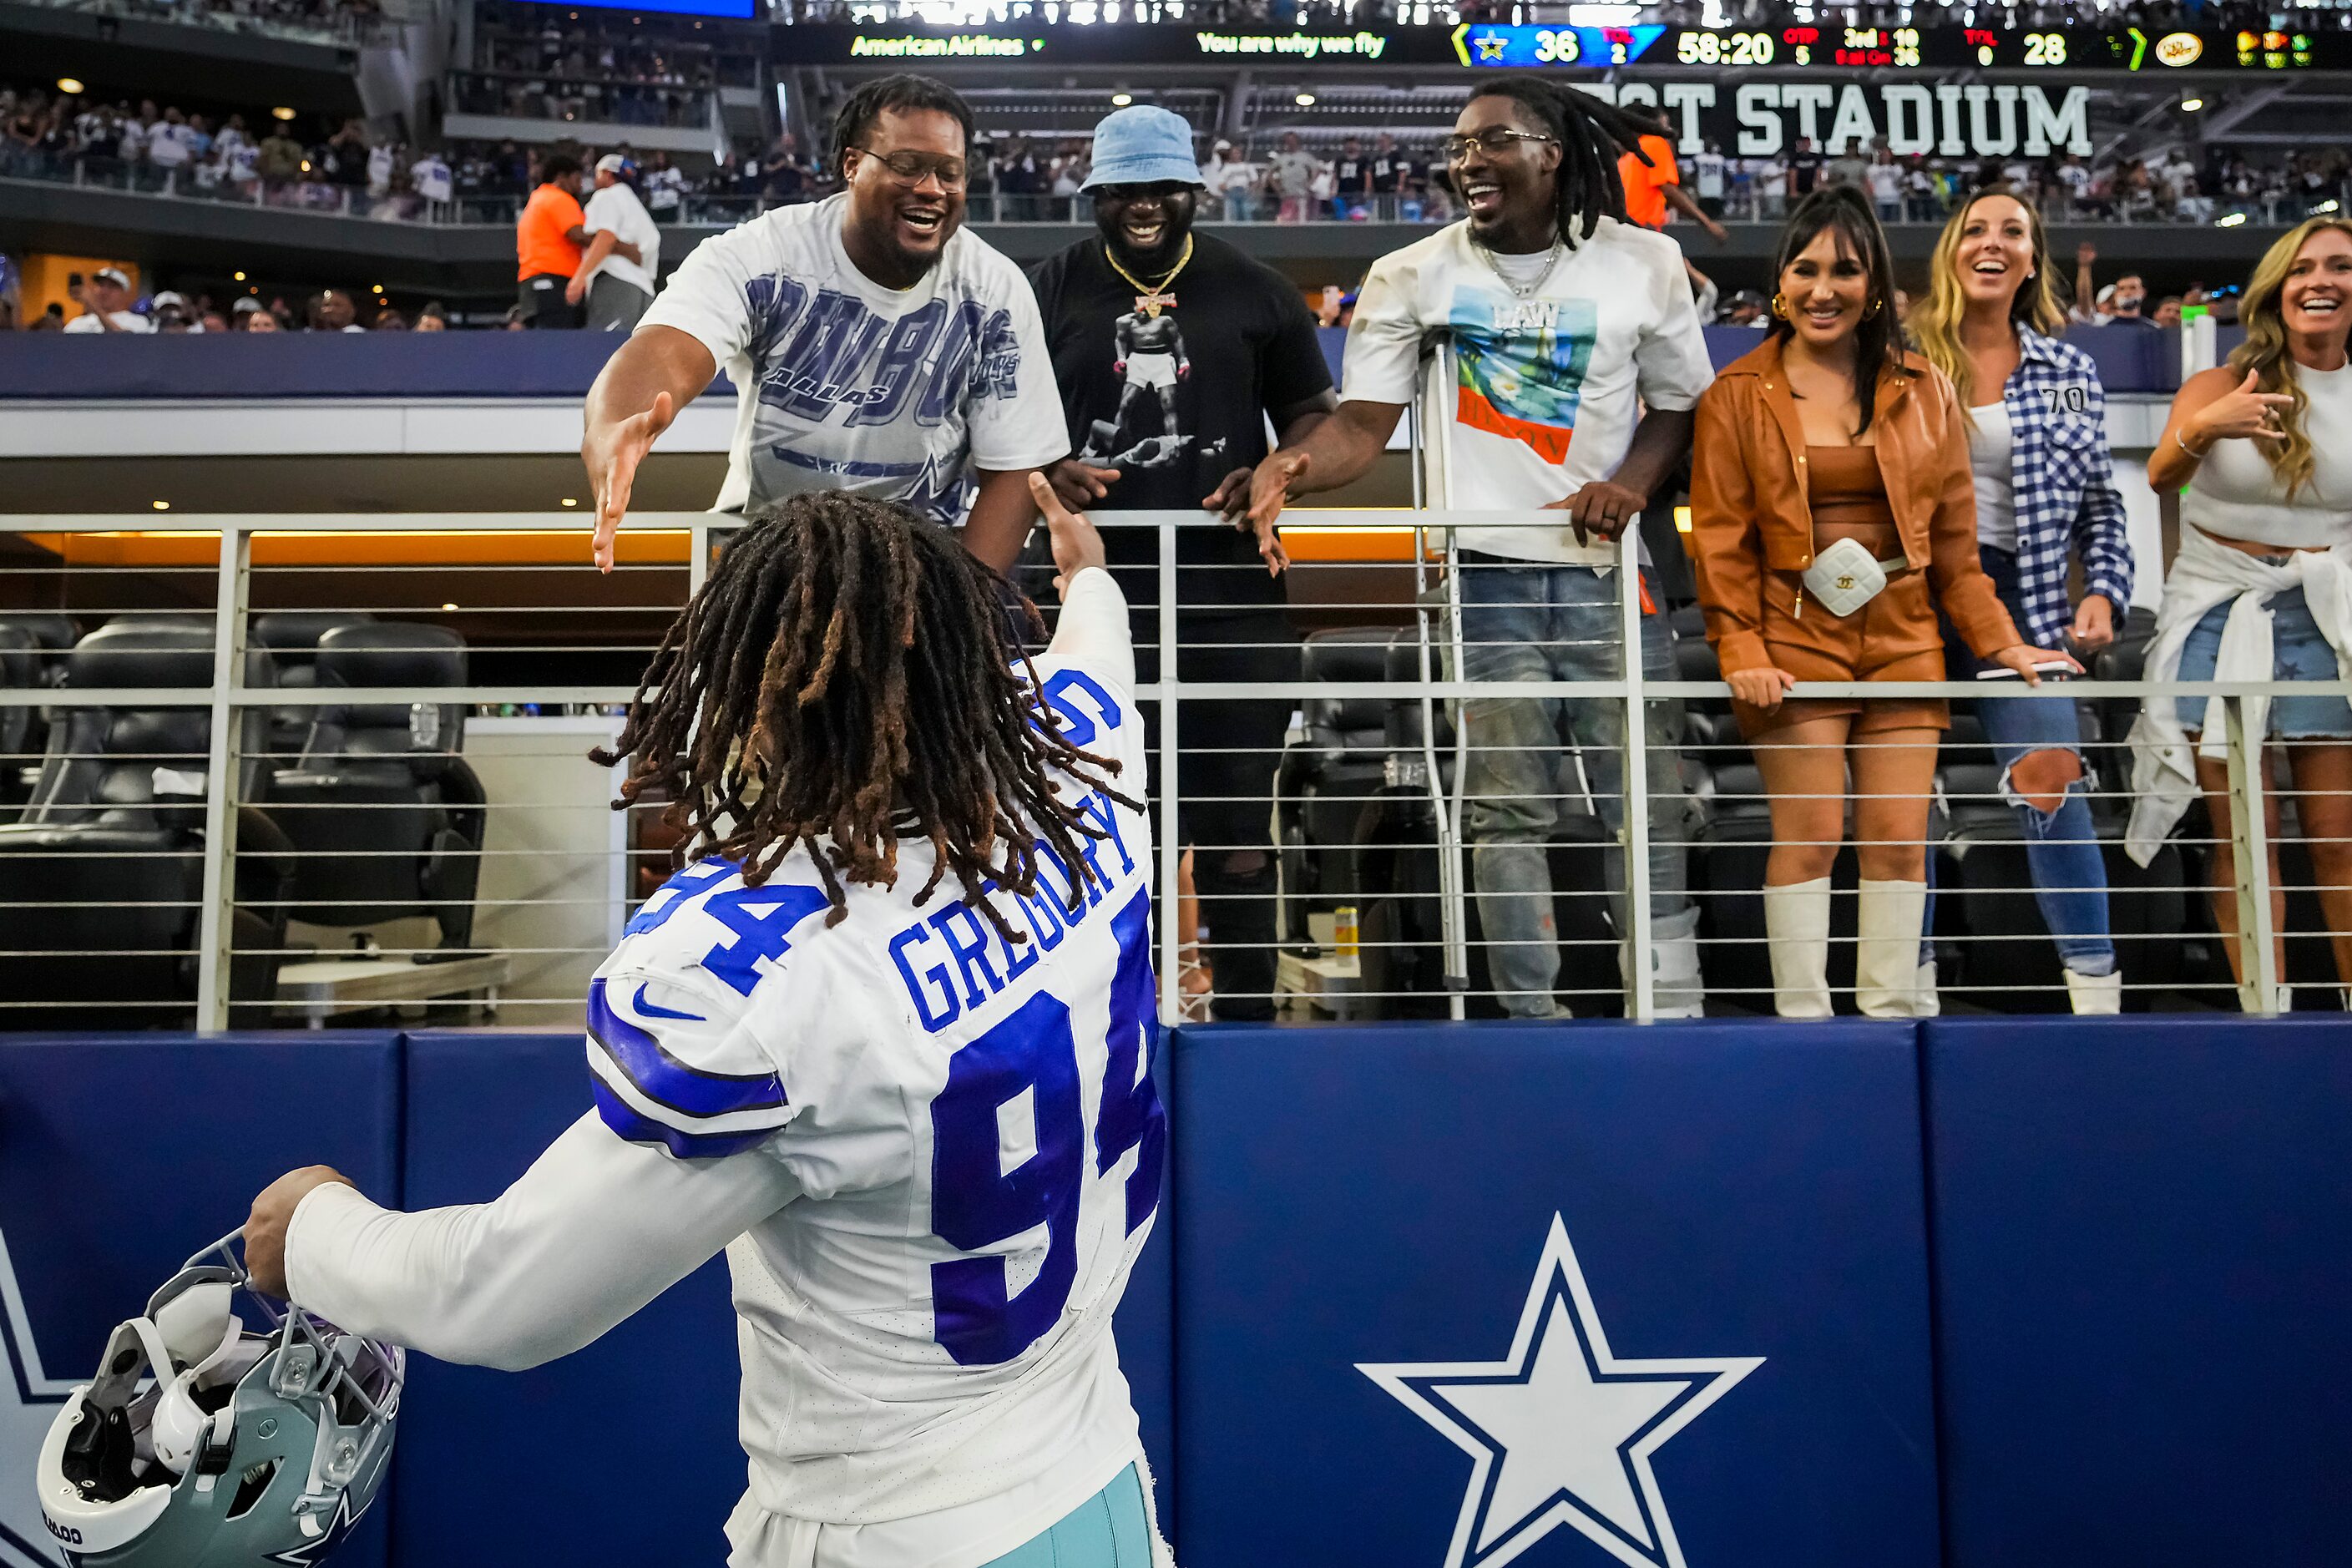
(1153, 303)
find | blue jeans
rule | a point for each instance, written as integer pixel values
(1109, 1529)
(1522, 621)
(2062, 848)
(2298, 652)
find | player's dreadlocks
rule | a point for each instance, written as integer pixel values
(1590, 133)
(844, 676)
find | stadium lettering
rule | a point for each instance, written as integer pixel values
(1952, 119)
(1363, 46)
(964, 44)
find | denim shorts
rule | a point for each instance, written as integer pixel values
(2298, 653)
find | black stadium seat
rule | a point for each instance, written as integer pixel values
(1329, 777)
(1397, 859)
(20, 670)
(292, 638)
(36, 647)
(107, 863)
(384, 816)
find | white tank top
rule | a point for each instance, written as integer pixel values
(2235, 494)
(1989, 444)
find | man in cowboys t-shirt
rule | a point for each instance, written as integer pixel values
(1174, 351)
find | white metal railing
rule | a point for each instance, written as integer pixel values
(1431, 622)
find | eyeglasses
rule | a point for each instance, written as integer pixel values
(1494, 142)
(909, 168)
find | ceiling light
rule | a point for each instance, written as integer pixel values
(2229, 220)
(1121, 99)
(2328, 205)
(570, 500)
(379, 287)
(240, 277)
(1305, 100)
(2192, 105)
(283, 113)
(160, 505)
(70, 84)
(448, 607)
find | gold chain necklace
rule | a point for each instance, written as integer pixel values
(1151, 298)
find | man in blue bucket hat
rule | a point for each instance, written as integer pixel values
(1174, 351)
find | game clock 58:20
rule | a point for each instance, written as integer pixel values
(1697, 48)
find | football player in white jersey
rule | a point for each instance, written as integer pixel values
(884, 1039)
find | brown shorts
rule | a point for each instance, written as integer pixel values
(1892, 637)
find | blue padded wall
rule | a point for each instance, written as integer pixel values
(629, 1445)
(2143, 1243)
(1384, 1194)
(120, 1155)
(635, 1437)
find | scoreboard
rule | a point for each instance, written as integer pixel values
(1483, 45)
(1940, 48)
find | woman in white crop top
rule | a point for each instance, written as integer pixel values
(2264, 447)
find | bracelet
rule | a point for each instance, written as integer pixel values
(2194, 454)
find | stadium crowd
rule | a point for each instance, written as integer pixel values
(339, 21)
(655, 51)
(1293, 178)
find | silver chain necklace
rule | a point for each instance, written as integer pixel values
(1519, 291)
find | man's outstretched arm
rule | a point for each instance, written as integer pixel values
(1335, 451)
(656, 373)
(585, 1239)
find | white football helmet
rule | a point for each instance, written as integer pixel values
(205, 1444)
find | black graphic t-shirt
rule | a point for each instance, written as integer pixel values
(1177, 396)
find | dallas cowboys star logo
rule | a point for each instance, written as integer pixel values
(319, 1548)
(1561, 1431)
(29, 1400)
(1491, 46)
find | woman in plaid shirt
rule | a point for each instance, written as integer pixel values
(2045, 493)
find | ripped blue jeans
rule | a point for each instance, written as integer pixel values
(2062, 847)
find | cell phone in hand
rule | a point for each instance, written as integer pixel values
(2048, 668)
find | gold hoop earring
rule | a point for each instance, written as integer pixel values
(1779, 306)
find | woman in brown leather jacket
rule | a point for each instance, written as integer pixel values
(1825, 460)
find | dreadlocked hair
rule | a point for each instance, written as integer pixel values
(1591, 133)
(844, 681)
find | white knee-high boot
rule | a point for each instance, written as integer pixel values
(1797, 927)
(2095, 992)
(1887, 968)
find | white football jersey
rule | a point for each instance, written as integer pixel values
(973, 1130)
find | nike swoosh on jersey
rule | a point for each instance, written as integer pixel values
(645, 1009)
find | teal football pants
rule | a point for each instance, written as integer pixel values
(1106, 1531)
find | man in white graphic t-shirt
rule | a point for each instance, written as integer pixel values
(874, 346)
(1578, 359)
